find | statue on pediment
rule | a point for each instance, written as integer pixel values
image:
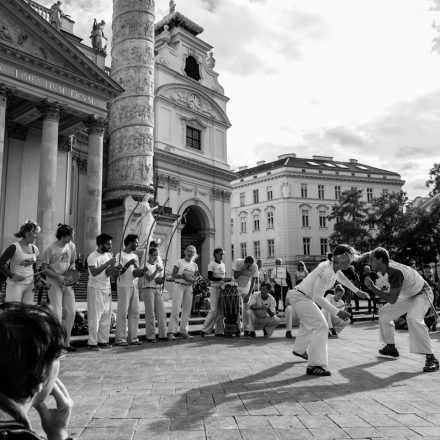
(97, 35)
(55, 15)
(172, 7)
(210, 61)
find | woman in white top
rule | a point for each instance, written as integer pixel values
(185, 273)
(311, 340)
(153, 299)
(301, 272)
(22, 259)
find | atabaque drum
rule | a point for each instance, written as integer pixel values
(230, 304)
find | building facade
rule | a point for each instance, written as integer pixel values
(279, 209)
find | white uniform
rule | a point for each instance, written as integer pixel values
(99, 300)
(313, 329)
(334, 322)
(260, 318)
(413, 300)
(128, 300)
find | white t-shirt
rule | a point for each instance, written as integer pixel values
(127, 279)
(321, 279)
(338, 304)
(244, 280)
(96, 259)
(218, 271)
(188, 267)
(151, 269)
(257, 299)
(406, 278)
(60, 258)
(17, 265)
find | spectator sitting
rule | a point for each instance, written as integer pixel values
(262, 312)
(335, 324)
(292, 319)
(31, 342)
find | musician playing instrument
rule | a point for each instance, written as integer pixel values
(58, 259)
(102, 265)
(22, 258)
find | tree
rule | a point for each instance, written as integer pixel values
(350, 215)
(434, 179)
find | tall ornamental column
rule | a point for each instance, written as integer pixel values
(48, 172)
(3, 103)
(93, 202)
(130, 166)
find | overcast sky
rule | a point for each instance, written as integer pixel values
(343, 78)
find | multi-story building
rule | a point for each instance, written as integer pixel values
(280, 208)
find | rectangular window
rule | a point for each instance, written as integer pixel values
(193, 138)
(256, 196)
(324, 246)
(270, 220)
(306, 245)
(232, 225)
(304, 190)
(243, 225)
(243, 250)
(242, 199)
(320, 191)
(369, 194)
(232, 252)
(269, 193)
(256, 249)
(305, 217)
(270, 248)
(337, 192)
(256, 222)
(322, 219)
(354, 188)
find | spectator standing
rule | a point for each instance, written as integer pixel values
(282, 281)
(301, 272)
(367, 273)
(263, 276)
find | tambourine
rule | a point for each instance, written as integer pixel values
(112, 271)
(72, 276)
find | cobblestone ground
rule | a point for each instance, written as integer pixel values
(216, 388)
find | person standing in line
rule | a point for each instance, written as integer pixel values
(101, 266)
(185, 273)
(263, 276)
(216, 274)
(301, 272)
(281, 285)
(246, 275)
(311, 340)
(151, 285)
(128, 293)
(22, 258)
(409, 293)
(58, 258)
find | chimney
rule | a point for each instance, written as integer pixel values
(244, 167)
(353, 160)
(284, 156)
(261, 162)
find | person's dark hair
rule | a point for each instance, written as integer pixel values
(29, 226)
(63, 231)
(31, 339)
(103, 239)
(130, 238)
(340, 249)
(249, 259)
(267, 284)
(381, 253)
(154, 243)
(217, 250)
(152, 250)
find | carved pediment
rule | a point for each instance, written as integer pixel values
(193, 101)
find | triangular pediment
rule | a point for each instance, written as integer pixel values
(26, 35)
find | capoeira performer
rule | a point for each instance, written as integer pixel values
(409, 293)
(311, 340)
(335, 324)
(58, 258)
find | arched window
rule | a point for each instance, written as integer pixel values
(192, 68)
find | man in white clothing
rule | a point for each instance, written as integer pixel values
(128, 293)
(246, 275)
(409, 293)
(335, 323)
(262, 311)
(101, 266)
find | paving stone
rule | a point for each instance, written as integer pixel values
(361, 432)
(382, 419)
(349, 421)
(328, 433)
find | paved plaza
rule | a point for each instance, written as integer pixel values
(217, 388)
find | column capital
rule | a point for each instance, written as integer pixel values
(95, 124)
(50, 110)
(66, 143)
(17, 131)
(5, 92)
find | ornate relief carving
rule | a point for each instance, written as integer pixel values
(131, 170)
(135, 26)
(220, 194)
(172, 182)
(133, 113)
(128, 143)
(140, 83)
(135, 54)
(193, 101)
(95, 124)
(286, 190)
(50, 110)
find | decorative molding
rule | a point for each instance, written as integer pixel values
(193, 101)
(66, 143)
(286, 190)
(16, 131)
(95, 124)
(194, 123)
(50, 110)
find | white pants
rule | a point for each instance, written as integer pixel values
(99, 313)
(154, 307)
(62, 302)
(291, 318)
(244, 315)
(215, 315)
(415, 307)
(313, 331)
(182, 303)
(269, 323)
(334, 322)
(128, 305)
(19, 292)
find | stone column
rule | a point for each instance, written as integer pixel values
(130, 165)
(48, 173)
(3, 104)
(93, 208)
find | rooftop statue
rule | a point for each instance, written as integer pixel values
(97, 35)
(55, 15)
(172, 7)
(210, 61)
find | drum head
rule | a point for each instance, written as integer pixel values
(72, 277)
